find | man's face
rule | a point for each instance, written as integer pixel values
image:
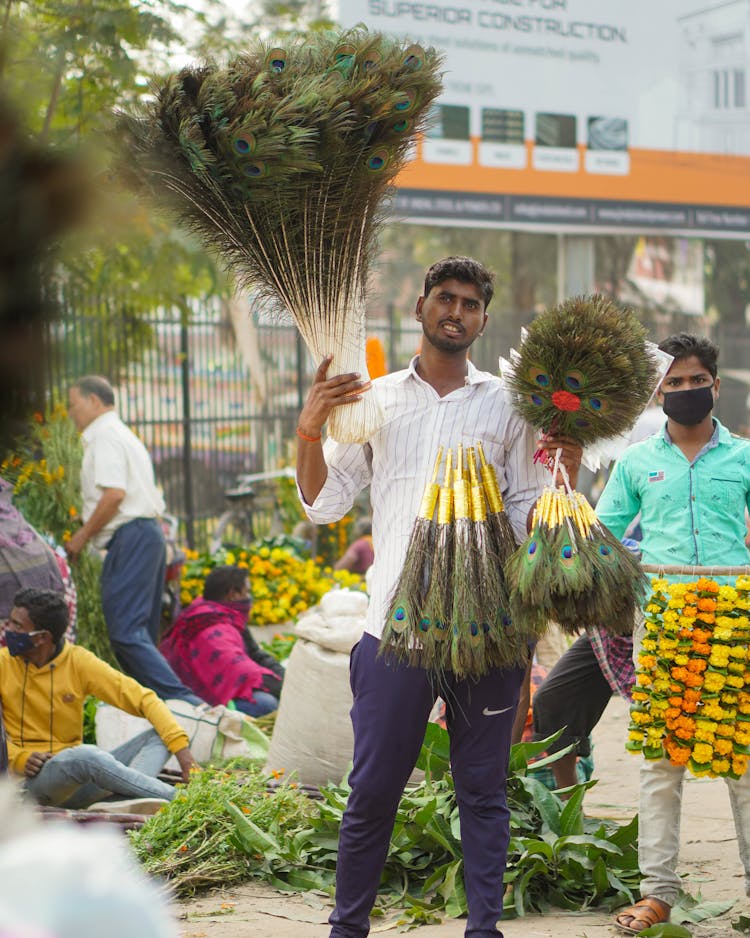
(687, 374)
(452, 315)
(19, 621)
(83, 408)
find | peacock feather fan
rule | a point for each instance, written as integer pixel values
(573, 570)
(408, 598)
(280, 161)
(583, 370)
(503, 537)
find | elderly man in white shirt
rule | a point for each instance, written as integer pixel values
(441, 399)
(121, 508)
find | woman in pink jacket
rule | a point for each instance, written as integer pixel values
(214, 653)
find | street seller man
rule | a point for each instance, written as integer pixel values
(440, 399)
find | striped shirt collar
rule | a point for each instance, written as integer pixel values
(473, 374)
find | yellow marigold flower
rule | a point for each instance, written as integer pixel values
(714, 682)
(640, 717)
(739, 764)
(727, 593)
(72, 511)
(702, 752)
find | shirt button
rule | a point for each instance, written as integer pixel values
(692, 498)
(696, 531)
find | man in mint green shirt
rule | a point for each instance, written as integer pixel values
(691, 483)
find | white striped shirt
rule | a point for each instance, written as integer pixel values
(397, 463)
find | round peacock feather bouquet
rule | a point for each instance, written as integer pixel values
(280, 161)
(583, 370)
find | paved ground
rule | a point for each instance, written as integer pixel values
(709, 861)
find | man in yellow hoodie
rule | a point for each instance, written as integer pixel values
(44, 682)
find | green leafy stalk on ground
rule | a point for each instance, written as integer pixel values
(225, 826)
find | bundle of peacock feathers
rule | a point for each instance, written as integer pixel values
(572, 568)
(280, 161)
(583, 370)
(450, 608)
(586, 371)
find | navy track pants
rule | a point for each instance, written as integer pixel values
(392, 703)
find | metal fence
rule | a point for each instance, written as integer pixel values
(205, 409)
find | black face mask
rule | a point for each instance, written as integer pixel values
(689, 408)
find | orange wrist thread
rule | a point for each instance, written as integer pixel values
(306, 438)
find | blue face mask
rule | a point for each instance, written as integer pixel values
(19, 643)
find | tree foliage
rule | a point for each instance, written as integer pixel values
(70, 64)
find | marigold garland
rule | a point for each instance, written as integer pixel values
(691, 702)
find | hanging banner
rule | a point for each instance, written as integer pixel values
(581, 115)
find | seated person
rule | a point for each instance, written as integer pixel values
(359, 555)
(44, 681)
(213, 652)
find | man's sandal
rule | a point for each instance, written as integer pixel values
(649, 911)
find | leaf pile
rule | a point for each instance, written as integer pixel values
(192, 842)
(223, 828)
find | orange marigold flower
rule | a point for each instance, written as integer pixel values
(697, 665)
(704, 585)
(679, 755)
(706, 605)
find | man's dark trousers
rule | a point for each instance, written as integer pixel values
(132, 587)
(392, 702)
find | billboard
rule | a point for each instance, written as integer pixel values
(581, 115)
